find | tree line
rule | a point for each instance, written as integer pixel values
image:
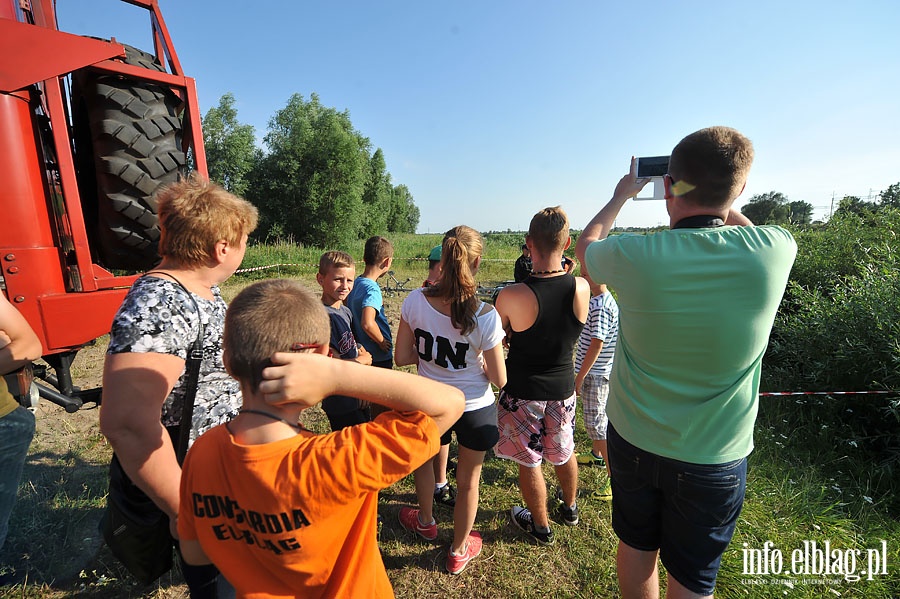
(318, 180)
(774, 207)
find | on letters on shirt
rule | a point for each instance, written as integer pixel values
(440, 350)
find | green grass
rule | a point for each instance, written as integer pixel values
(410, 258)
(805, 483)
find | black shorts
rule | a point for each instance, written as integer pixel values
(475, 430)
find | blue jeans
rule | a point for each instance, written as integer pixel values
(686, 511)
(16, 432)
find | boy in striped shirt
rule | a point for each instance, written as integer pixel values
(593, 365)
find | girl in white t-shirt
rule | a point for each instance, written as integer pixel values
(455, 338)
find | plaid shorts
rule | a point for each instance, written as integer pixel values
(594, 393)
(533, 431)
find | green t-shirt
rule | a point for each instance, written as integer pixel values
(696, 307)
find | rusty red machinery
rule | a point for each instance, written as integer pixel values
(88, 128)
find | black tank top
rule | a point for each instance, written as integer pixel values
(539, 365)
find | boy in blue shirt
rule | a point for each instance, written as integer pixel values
(366, 303)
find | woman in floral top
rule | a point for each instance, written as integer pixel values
(203, 237)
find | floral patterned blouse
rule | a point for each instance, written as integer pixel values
(157, 316)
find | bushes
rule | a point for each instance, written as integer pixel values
(839, 328)
(843, 341)
(842, 249)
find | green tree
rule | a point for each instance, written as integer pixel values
(310, 183)
(768, 208)
(855, 205)
(890, 197)
(801, 212)
(377, 196)
(230, 150)
(403, 216)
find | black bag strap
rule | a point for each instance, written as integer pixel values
(192, 368)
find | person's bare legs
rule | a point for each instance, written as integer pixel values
(599, 448)
(468, 475)
(534, 493)
(637, 573)
(568, 480)
(675, 590)
(440, 465)
(424, 477)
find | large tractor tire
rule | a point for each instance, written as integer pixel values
(127, 143)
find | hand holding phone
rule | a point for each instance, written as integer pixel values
(653, 168)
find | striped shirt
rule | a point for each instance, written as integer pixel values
(602, 323)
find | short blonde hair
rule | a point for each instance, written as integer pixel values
(335, 259)
(267, 317)
(549, 230)
(716, 162)
(194, 214)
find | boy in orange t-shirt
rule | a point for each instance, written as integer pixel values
(281, 511)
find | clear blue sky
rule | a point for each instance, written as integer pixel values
(490, 110)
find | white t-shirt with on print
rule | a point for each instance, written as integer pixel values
(448, 356)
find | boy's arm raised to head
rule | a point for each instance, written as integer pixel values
(306, 379)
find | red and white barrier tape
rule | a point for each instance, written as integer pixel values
(268, 266)
(775, 394)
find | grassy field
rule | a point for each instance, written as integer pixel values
(806, 484)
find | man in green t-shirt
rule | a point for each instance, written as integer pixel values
(696, 306)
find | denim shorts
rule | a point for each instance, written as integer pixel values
(16, 432)
(686, 511)
(475, 430)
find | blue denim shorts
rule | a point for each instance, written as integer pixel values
(686, 511)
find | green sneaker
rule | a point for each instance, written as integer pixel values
(589, 459)
(604, 493)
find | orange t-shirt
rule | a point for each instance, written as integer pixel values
(298, 517)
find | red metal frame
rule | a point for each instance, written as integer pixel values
(46, 260)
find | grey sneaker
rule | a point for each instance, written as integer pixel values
(568, 515)
(521, 517)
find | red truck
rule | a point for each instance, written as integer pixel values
(89, 128)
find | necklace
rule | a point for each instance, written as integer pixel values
(548, 272)
(293, 425)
